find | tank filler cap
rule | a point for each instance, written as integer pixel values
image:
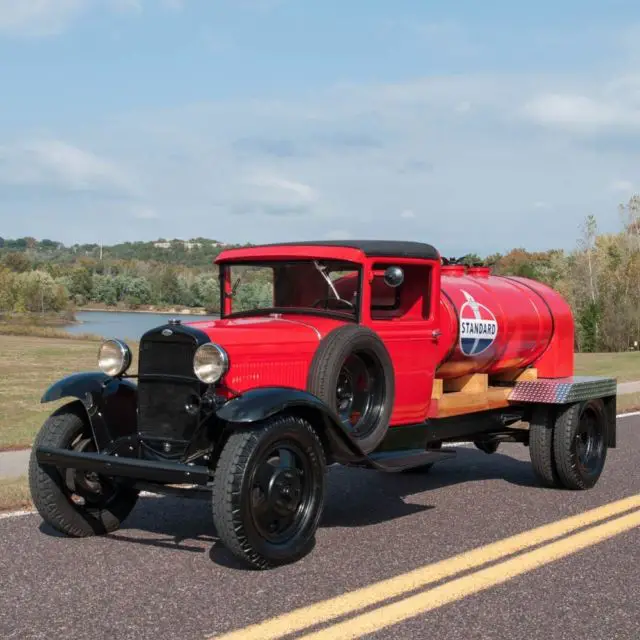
(453, 269)
(480, 272)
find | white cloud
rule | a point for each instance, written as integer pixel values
(41, 18)
(352, 157)
(572, 111)
(614, 104)
(38, 17)
(55, 163)
(283, 186)
(621, 185)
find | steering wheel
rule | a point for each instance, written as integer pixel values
(328, 300)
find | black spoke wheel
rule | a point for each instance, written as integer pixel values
(353, 374)
(268, 491)
(580, 444)
(76, 503)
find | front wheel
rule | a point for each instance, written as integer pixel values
(268, 491)
(76, 503)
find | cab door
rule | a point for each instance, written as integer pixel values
(406, 318)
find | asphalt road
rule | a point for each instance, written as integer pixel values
(164, 575)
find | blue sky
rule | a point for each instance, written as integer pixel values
(474, 126)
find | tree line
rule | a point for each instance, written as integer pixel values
(600, 277)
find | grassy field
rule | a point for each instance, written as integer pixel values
(14, 494)
(623, 366)
(29, 364)
(27, 367)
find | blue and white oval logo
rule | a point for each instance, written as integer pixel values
(478, 327)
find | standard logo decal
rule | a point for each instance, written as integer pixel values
(478, 327)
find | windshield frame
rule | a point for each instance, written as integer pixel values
(226, 286)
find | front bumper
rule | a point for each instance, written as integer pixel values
(117, 466)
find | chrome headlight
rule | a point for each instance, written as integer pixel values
(210, 363)
(114, 357)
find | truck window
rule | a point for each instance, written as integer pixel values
(411, 300)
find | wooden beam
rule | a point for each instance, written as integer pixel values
(437, 390)
(472, 383)
(516, 375)
(461, 402)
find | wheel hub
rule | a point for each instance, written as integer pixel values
(588, 443)
(344, 393)
(285, 492)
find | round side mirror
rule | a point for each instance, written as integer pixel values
(393, 276)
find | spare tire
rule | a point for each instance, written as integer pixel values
(352, 373)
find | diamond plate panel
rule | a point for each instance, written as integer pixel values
(563, 390)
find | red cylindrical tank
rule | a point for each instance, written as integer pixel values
(495, 323)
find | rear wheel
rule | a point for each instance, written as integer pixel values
(76, 503)
(568, 444)
(541, 428)
(353, 374)
(580, 444)
(268, 491)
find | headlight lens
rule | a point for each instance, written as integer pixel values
(210, 362)
(114, 357)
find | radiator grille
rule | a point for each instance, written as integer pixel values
(167, 357)
(161, 399)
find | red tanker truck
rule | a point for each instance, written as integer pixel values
(370, 354)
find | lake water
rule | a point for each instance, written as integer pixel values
(124, 325)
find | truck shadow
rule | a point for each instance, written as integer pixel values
(355, 498)
(362, 497)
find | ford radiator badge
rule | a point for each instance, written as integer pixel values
(167, 332)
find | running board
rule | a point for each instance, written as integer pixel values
(399, 460)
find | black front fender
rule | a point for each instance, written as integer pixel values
(110, 403)
(259, 404)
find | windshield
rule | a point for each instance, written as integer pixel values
(305, 286)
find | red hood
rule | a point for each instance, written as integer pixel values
(268, 350)
(262, 330)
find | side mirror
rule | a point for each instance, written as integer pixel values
(393, 277)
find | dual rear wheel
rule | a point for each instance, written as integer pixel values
(568, 444)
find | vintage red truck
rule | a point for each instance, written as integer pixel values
(362, 353)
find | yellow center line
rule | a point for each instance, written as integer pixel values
(481, 580)
(330, 609)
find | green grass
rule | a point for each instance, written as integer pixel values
(14, 494)
(44, 332)
(628, 402)
(623, 366)
(27, 367)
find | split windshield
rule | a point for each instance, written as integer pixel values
(305, 286)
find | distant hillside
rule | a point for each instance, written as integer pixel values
(195, 252)
(600, 278)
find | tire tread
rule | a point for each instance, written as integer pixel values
(541, 432)
(227, 487)
(46, 492)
